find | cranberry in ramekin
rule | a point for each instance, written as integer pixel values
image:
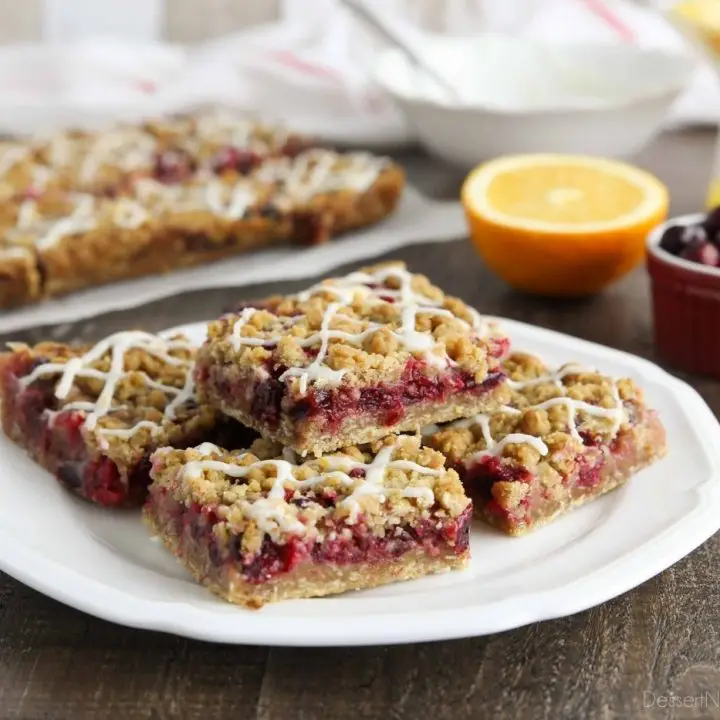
(686, 303)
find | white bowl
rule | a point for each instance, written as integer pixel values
(522, 96)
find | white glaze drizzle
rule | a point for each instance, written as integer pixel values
(81, 219)
(233, 207)
(214, 196)
(40, 177)
(317, 370)
(225, 128)
(492, 447)
(11, 156)
(273, 511)
(129, 214)
(27, 214)
(126, 433)
(84, 216)
(300, 178)
(409, 302)
(117, 346)
(59, 149)
(555, 378)
(16, 251)
(320, 171)
(48, 232)
(126, 150)
(616, 414)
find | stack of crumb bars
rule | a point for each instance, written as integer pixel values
(337, 439)
(85, 209)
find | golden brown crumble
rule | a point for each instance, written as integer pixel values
(621, 401)
(136, 397)
(369, 306)
(96, 161)
(206, 132)
(337, 493)
(61, 241)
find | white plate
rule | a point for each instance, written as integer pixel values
(102, 562)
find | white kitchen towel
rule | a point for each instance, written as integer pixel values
(417, 220)
(312, 69)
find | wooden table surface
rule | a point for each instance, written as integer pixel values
(659, 641)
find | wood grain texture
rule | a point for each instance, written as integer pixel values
(660, 638)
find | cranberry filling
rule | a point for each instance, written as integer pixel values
(479, 477)
(272, 560)
(267, 400)
(482, 475)
(390, 402)
(293, 146)
(55, 439)
(231, 158)
(58, 443)
(102, 482)
(589, 472)
(174, 166)
(338, 547)
(311, 227)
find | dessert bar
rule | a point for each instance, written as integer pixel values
(263, 525)
(92, 415)
(350, 360)
(62, 242)
(171, 151)
(563, 438)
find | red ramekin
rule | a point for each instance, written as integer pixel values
(686, 305)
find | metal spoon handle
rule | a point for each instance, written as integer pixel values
(384, 28)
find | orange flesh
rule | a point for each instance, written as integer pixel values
(570, 194)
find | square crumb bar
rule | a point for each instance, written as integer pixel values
(564, 437)
(264, 525)
(92, 415)
(350, 360)
(79, 240)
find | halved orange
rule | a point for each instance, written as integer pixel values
(561, 224)
(701, 19)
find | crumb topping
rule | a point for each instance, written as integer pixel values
(11, 155)
(362, 326)
(283, 184)
(90, 157)
(550, 416)
(318, 171)
(43, 223)
(209, 195)
(268, 491)
(130, 387)
(86, 154)
(220, 127)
